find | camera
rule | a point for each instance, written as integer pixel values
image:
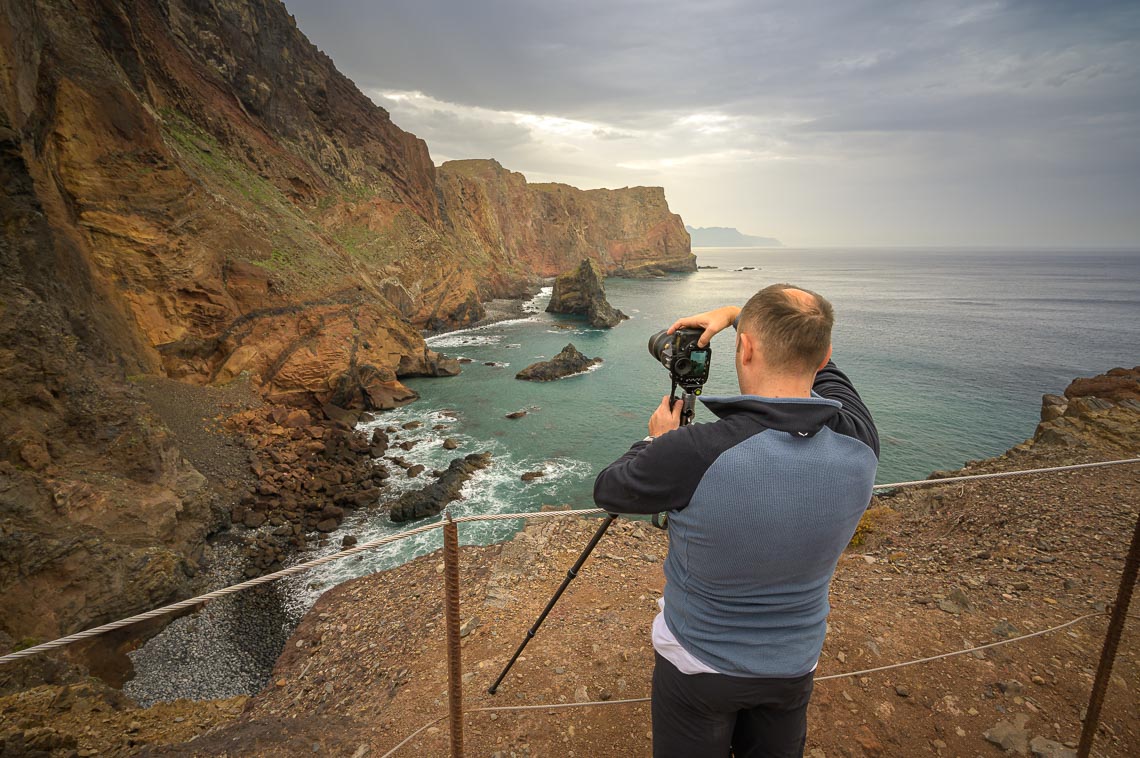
(688, 364)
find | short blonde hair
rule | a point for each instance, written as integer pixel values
(792, 332)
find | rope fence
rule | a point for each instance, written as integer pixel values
(374, 544)
(844, 675)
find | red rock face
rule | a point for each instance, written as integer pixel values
(1116, 385)
(214, 169)
(193, 191)
(550, 228)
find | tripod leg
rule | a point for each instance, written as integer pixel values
(573, 572)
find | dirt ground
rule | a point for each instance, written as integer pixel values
(945, 568)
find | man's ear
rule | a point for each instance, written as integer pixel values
(747, 347)
(826, 358)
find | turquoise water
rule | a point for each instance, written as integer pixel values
(952, 351)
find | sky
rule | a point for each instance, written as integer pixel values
(842, 123)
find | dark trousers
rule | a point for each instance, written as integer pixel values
(715, 715)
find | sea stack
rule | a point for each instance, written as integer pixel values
(581, 292)
(568, 362)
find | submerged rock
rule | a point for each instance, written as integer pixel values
(434, 498)
(581, 292)
(569, 361)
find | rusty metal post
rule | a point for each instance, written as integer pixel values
(1111, 642)
(451, 610)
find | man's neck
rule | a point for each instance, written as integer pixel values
(778, 386)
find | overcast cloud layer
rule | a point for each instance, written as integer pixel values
(841, 123)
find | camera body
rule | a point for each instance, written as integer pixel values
(687, 363)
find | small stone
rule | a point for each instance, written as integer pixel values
(1046, 748)
(280, 682)
(1004, 629)
(1010, 735)
(938, 744)
(1038, 679)
(958, 602)
(901, 691)
(179, 719)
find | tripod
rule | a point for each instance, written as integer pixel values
(687, 402)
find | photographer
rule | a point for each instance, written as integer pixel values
(761, 504)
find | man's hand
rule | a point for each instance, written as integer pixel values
(711, 321)
(666, 418)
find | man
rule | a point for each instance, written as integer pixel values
(761, 505)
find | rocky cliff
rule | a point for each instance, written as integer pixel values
(551, 228)
(193, 192)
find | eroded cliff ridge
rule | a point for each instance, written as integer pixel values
(192, 191)
(248, 209)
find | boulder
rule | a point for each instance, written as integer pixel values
(434, 498)
(1116, 385)
(568, 362)
(581, 292)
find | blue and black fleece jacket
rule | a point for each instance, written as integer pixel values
(761, 504)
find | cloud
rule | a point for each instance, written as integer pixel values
(900, 97)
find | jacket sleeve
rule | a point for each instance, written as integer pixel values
(854, 419)
(652, 476)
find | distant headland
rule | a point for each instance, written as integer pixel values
(726, 236)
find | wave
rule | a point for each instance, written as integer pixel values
(469, 336)
(496, 489)
(534, 305)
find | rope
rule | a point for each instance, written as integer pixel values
(1001, 474)
(845, 675)
(372, 545)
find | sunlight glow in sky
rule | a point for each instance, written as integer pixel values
(855, 122)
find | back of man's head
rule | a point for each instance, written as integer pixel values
(792, 326)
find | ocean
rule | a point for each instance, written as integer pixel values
(951, 349)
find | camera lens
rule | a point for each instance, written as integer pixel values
(661, 347)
